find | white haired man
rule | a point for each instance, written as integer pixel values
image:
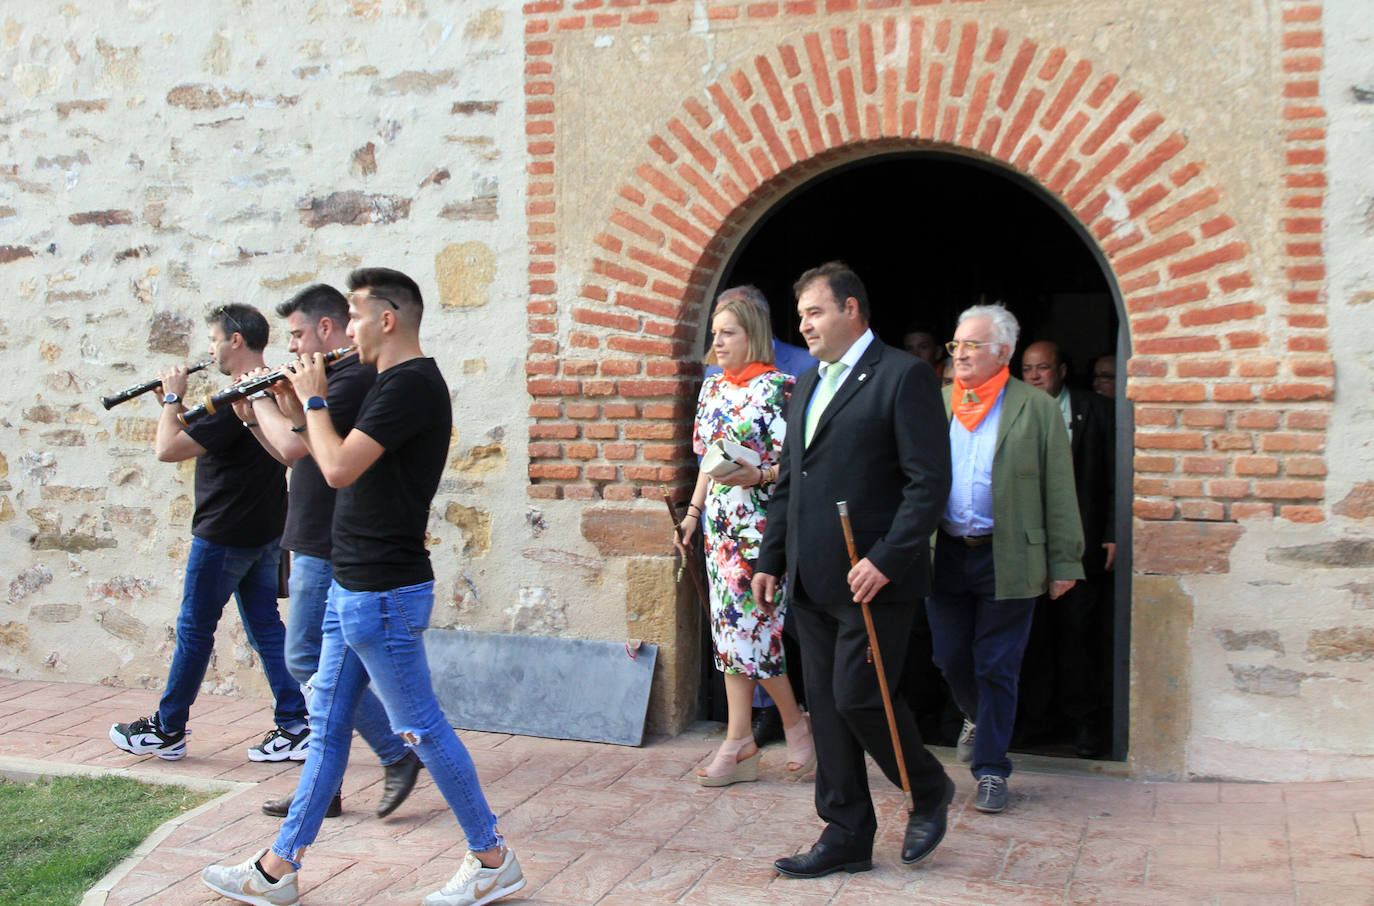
(1010, 533)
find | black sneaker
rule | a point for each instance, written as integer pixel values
(145, 737)
(279, 745)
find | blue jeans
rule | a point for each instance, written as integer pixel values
(978, 642)
(213, 573)
(310, 580)
(380, 634)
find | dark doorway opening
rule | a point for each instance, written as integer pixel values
(932, 233)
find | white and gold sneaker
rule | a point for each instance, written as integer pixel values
(474, 884)
(247, 884)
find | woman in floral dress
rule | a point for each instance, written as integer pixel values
(744, 404)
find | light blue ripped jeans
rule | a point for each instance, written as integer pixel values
(380, 635)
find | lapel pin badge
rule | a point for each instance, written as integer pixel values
(863, 377)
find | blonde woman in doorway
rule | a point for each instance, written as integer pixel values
(744, 405)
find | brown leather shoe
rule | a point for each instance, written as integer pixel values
(400, 779)
(278, 808)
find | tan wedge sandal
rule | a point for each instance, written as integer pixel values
(801, 750)
(727, 767)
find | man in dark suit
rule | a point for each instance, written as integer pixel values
(1071, 639)
(868, 430)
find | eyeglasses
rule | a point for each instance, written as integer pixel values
(953, 346)
(222, 314)
(358, 295)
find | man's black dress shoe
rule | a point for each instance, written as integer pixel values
(925, 830)
(278, 808)
(822, 860)
(400, 779)
(767, 726)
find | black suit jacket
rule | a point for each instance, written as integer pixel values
(882, 444)
(1093, 441)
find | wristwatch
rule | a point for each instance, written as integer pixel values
(316, 402)
(170, 398)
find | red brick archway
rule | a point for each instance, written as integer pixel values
(612, 382)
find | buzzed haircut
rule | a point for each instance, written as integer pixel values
(843, 283)
(388, 284)
(316, 301)
(244, 320)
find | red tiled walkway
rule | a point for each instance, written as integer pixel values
(616, 826)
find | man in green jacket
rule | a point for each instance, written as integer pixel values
(1010, 533)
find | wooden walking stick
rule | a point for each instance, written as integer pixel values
(688, 562)
(843, 507)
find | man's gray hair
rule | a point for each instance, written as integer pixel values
(1005, 330)
(748, 293)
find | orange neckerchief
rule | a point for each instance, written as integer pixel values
(972, 405)
(747, 373)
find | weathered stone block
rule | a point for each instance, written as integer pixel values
(137, 430)
(1233, 640)
(121, 625)
(666, 613)
(1184, 548)
(1161, 667)
(14, 636)
(538, 612)
(170, 332)
(481, 458)
(10, 253)
(1358, 504)
(124, 588)
(102, 218)
(1341, 643)
(1344, 553)
(464, 272)
(352, 209)
(27, 582)
(621, 532)
(475, 525)
(83, 537)
(207, 97)
(1267, 680)
(63, 492)
(54, 613)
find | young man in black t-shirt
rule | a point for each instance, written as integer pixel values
(387, 468)
(316, 320)
(240, 507)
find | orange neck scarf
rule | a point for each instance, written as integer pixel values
(747, 373)
(971, 405)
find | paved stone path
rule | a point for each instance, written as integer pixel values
(617, 826)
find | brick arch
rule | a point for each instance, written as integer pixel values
(612, 404)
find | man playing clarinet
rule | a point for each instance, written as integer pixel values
(316, 318)
(387, 469)
(240, 509)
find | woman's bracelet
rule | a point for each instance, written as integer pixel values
(693, 506)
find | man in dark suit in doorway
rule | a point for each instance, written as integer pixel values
(1071, 639)
(866, 428)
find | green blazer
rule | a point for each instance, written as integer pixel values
(1037, 536)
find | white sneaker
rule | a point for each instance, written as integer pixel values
(964, 750)
(246, 884)
(279, 745)
(145, 737)
(474, 884)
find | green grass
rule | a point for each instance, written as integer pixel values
(58, 837)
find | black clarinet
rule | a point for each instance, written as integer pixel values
(123, 396)
(248, 387)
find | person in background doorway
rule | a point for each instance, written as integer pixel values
(1068, 658)
(920, 341)
(1104, 376)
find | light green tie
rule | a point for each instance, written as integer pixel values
(830, 381)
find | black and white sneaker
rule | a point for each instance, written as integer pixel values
(145, 737)
(279, 745)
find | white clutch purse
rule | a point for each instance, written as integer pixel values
(725, 457)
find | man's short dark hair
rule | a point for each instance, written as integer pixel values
(316, 301)
(244, 320)
(387, 284)
(842, 281)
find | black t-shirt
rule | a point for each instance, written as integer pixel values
(240, 489)
(380, 519)
(310, 501)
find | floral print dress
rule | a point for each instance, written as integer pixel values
(747, 638)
